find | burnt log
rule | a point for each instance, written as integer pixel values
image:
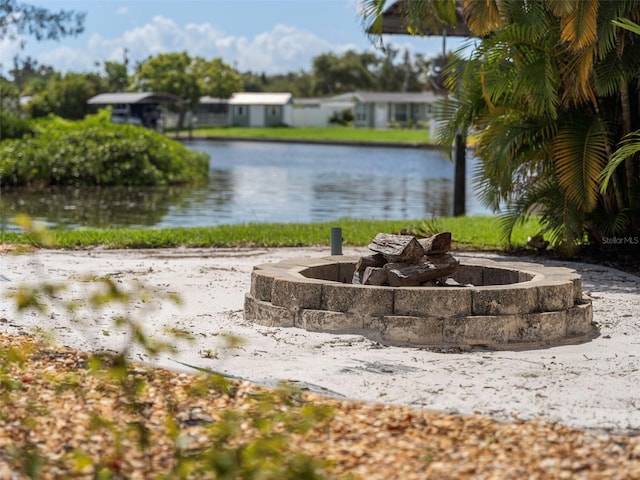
(436, 244)
(397, 248)
(377, 260)
(375, 276)
(414, 275)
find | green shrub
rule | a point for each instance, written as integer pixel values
(12, 126)
(343, 117)
(95, 151)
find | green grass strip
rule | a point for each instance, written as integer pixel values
(469, 233)
(410, 136)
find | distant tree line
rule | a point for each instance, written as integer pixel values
(41, 90)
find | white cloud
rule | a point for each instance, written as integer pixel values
(66, 59)
(122, 11)
(282, 49)
(8, 49)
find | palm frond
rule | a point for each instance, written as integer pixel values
(562, 220)
(611, 224)
(537, 82)
(577, 72)
(371, 13)
(581, 152)
(608, 33)
(580, 25)
(560, 9)
(608, 73)
(482, 17)
(629, 147)
(544, 197)
(627, 25)
(514, 214)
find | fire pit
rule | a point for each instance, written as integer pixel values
(493, 304)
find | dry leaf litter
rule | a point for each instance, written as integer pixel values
(56, 406)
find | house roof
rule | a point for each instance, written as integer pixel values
(133, 97)
(346, 99)
(307, 101)
(343, 97)
(208, 100)
(260, 98)
(396, 97)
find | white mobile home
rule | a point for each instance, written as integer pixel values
(382, 109)
(253, 109)
(316, 112)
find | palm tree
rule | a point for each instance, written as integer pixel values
(548, 91)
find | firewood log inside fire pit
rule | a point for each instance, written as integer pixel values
(403, 260)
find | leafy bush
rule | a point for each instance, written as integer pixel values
(343, 117)
(12, 126)
(95, 151)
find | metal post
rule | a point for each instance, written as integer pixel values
(459, 181)
(336, 241)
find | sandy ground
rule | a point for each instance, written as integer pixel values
(594, 385)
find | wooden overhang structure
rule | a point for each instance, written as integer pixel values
(141, 108)
(392, 22)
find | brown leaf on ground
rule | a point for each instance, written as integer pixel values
(82, 424)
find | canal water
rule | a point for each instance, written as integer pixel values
(262, 182)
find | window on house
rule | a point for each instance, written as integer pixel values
(274, 110)
(240, 111)
(400, 112)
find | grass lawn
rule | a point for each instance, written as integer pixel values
(339, 133)
(469, 233)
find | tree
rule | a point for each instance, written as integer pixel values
(423, 67)
(548, 92)
(186, 77)
(631, 143)
(299, 84)
(216, 78)
(334, 74)
(341, 74)
(411, 72)
(21, 19)
(9, 96)
(66, 96)
(170, 73)
(390, 78)
(28, 76)
(18, 19)
(398, 77)
(254, 82)
(116, 78)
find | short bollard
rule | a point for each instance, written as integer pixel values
(336, 241)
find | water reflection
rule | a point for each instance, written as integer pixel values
(387, 199)
(73, 207)
(261, 182)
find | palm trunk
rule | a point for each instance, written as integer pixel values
(629, 167)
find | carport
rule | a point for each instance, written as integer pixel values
(137, 108)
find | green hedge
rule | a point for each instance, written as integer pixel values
(12, 126)
(95, 151)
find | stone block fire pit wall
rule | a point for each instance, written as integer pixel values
(509, 305)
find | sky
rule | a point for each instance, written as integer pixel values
(270, 36)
